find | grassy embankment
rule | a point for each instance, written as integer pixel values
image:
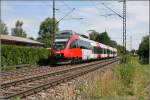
(129, 81)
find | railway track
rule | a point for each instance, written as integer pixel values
(31, 85)
(23, 76)
(12, 75)
(25, 73)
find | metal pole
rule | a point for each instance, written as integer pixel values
(124, 29)
(53, 33)
(125, 34)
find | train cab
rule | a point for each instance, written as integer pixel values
(60, 43)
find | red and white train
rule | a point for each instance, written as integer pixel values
(71, 46)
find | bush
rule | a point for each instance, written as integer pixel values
(15, 55)
(143, 50)
(127, 74)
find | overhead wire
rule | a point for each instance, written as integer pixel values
(99, 11)
(67, 6)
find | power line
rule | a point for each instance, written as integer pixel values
(66, 15)
(95, 6)
(112, 10)
(66, 5)
(124, 27)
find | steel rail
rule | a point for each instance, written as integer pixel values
(29, 74)
(9, 76)
(64, 77)
(42, 75)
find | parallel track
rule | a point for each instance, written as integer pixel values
(25, 73)
(12, 75)
(35, 84)
(47, 72)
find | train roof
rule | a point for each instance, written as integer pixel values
(94, 43)
(67, 32)
(104, 46)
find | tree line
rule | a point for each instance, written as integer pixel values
(46, 30)
(143, 50)
(105, 39)
(16, 31)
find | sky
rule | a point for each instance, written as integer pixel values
(32, 13)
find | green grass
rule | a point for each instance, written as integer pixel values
(134, 79)
(128, 80)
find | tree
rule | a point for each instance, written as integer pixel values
(100, 37)
(93, 35)
(143, 50)
(46, 31)
(18, 30)
(113, 43)
(105, 39)
(120, 49)
(3, 29)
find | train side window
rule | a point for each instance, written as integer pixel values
(84, 45)
(73, 44)
(101, 50)
(108, 51)
(96, 50)
(105, 51)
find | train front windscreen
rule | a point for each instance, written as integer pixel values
(60, 45)
(61, 40)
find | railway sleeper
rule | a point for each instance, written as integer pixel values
(33, 84)
(27, 93)
(26, 86)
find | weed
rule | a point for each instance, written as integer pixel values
(127, 80)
